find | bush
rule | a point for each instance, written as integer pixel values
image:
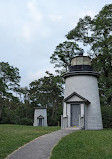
(107, 116)
(52, 122)
(21, 115)
(24, 121)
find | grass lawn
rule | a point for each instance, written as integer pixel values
(85, 145)
(14, 136)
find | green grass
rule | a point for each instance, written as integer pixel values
(85, 145)
(14, 136)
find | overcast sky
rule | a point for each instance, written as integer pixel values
(31, 29)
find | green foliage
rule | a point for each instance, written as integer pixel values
(17, 113)
(107, 116)
(85, 145)
(25, 121)
(9, 80)
(102, 64)
(9, 77)
(95, 32)
(14, 136)
(48, 92)
(64, 53)
(82, 31)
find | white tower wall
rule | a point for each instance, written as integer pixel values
(40, 112)
(86, 86)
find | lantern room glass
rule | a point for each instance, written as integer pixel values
(81, 60)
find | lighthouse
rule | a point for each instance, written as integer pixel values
(81, 106)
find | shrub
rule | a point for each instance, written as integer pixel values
(24, 121)
(107, 116)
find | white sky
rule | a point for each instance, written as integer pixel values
(31, 29)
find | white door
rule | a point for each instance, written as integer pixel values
(75, 112)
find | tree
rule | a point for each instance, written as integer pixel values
(96, 32)
(47, 92)
(105, 82)
(64, 53)
(9, 79)
(23, 94)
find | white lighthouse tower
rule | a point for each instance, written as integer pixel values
(81, 106)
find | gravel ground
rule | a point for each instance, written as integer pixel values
(41, 147)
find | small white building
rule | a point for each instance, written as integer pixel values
(40, 117)
(81, 106)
